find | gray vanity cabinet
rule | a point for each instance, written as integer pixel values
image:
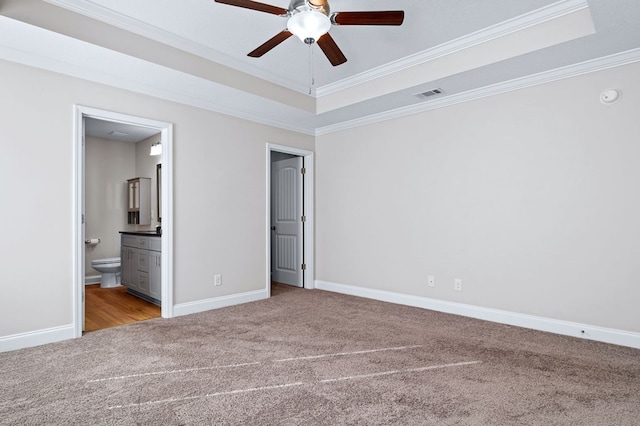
(129, 259)
(155, 289)
(140, 260)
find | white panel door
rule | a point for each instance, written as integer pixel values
(286, 221)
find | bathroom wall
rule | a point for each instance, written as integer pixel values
(146, 167)
(109, 164)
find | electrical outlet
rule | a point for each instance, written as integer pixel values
(457, 284)
(431, 282)
(217, 280)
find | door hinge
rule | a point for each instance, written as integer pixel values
(304, 266)
(83, 219)
(303, 170)
(303, 218)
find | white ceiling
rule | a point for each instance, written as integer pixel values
(117, 131)
(229, 33)
(194, 51)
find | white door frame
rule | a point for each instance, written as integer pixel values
(308, 227)
(166, 138)
(293, 274)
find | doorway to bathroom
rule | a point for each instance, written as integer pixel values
(111, 150)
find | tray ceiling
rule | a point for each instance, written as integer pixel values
(194, 51)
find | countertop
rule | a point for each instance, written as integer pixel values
(142, 233)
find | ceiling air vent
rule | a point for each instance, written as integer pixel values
(429, 93)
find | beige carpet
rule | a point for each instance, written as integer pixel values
(311, 357)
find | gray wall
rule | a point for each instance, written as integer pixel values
(531, 197)
(108, 165)
(219, 195)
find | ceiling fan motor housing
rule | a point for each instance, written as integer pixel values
(321, 6)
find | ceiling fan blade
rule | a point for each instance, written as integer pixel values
(331, 50)
(254, 5)
(270, 44)
(388, 17)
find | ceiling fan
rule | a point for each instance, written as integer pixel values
(310, 21)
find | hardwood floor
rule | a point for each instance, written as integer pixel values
(279, 288)
(110, 307)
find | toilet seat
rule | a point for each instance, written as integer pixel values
(106, 265)
(105, 261)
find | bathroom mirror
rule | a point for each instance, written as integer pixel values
(159, 190)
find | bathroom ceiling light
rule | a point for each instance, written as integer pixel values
(156, 149)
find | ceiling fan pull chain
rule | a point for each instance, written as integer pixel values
(311, 79)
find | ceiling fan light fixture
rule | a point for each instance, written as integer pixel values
(309, 25)
(311, 20)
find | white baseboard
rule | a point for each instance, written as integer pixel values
(218, 302)
(56, 334)
(92, 279)
(585, 331)
(36, 338)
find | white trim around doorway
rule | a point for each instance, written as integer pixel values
(309, 225)
(166, 138)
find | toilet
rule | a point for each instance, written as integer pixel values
(110, 270)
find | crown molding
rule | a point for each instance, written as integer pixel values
(118, 20)
(536, 17)
(33, 46)
(115, 19)
(599, 64)
(140, 87)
